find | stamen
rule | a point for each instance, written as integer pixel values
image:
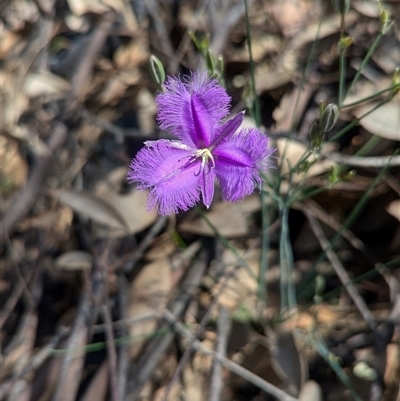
(205, 154)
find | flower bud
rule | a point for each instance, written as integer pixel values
(157, 71)
(363, 371)
(385, 22)
(201, 45)
(334, 175)
(316, 136)
(329, 117)
(221, 63)
(247, 96)
(341, 6)
(344, 43)
(395, 82)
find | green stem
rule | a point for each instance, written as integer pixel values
(257, 110)
(364, 63)
(342, 62)
(373, 96)
(356, 121)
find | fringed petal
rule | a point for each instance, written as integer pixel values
(207, 186)
(170, 173)
(238, 163)
(193, 110)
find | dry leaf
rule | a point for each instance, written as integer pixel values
(149, 294)
(13, 167)
(288, 363)
(292, 151)
(293, 15)
(368, 8)
(45, 83)
(131, 55)
(394, 209)
(311, 391)
(80, 7)
(230, 219)
(74, 261)
(242, 289)
(89, 205)
(292, 107)
(131, 207)
(97, 388)
(384, 122)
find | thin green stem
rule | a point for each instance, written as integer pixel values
(373, 96)
(356, 121)
(287, 290)
(257, 109)
(342, 62)
(342, 74)
(364, 63)
(264, 262)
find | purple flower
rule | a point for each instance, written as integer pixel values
(178, 172)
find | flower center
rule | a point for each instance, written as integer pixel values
(205, 155)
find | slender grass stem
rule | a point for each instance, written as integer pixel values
(364, 63)
(287, 289)
(356, 121)
(342, 62)
(257, 109)
(342, 74)
(371, 97)
(264, 262)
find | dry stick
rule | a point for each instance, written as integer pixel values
(186, 40)
(353, 240)
(227, 363)
(319, 212)
(123, 323)
(393, 183)
(26, 339)
(84, 70)
(14, 297)
(71, 369)
(185, 357)
(147, 241)
(112, 353)
(36, 361)
(156, 347)
(340, 270)
(162, 33)
(119, 133)
(372, 161)
(123, 360)
(101, 267)
(223, 330)
(221, 27)
(20, 208)
(27, 197)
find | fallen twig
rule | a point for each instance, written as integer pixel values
(339, 269)
(36, 361)
(223, 330)
(371, 162)
(227, 363)
(156, 347)
(123, 360)
(27, 197)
